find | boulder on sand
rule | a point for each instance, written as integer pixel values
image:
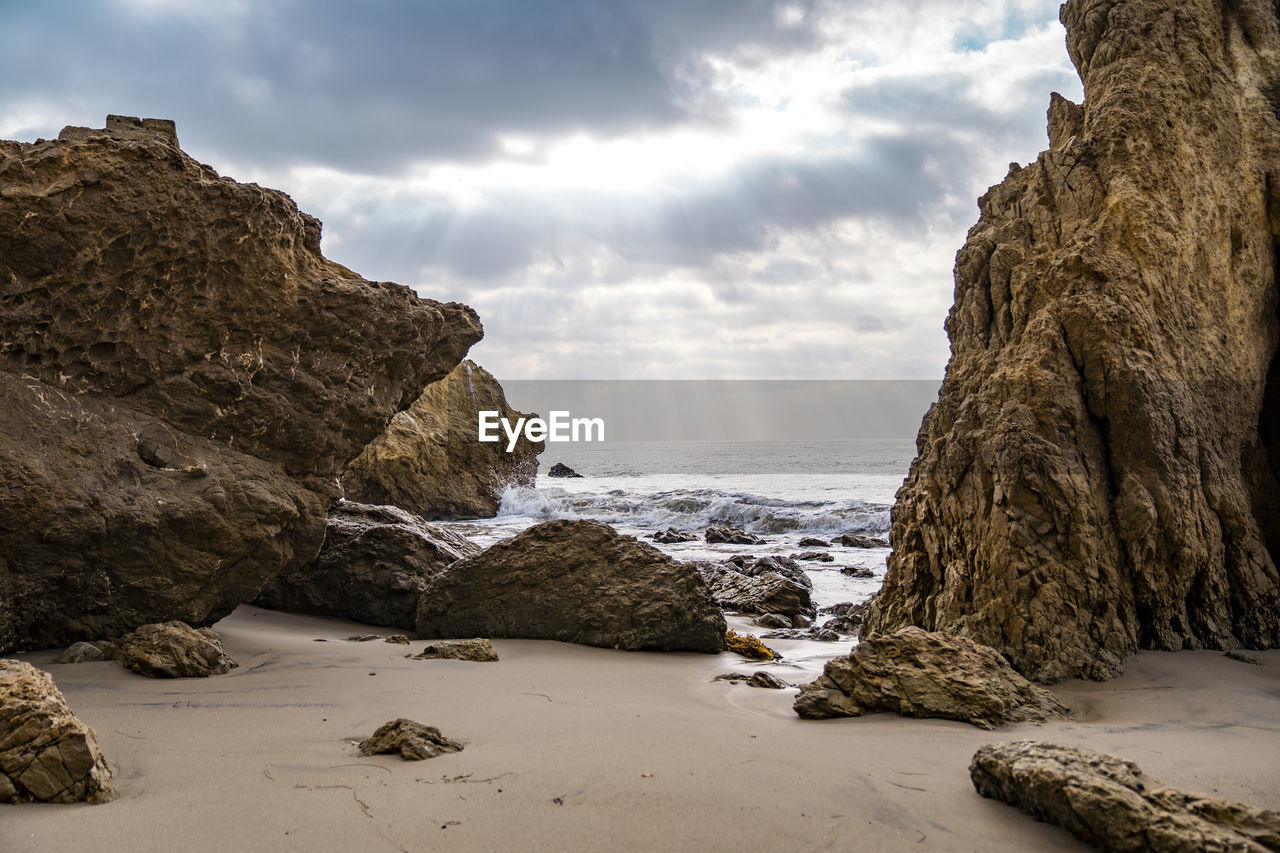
(46, 754)
(919, 674)
(1109, 803)
(373, 566)
(172, 650)
(578, 582)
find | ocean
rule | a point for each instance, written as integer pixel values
(782, 491)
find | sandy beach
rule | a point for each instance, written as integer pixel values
(577, 748)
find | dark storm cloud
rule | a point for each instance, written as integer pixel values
(370, 86)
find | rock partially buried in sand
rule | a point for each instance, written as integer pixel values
(413, 741)
(373, 566)
(479, 650)
(759, 678)
(1109, 803)
(921, 674)
(46, 754)
(577, 582)
(81, 652)
(173, 650)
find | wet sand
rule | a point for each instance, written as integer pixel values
(576, 748)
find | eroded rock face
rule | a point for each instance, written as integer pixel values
(172, 650)
(185, 376)
(1111, 804)
(577, 582)
(763, 585)
(1100, 471)
(429, 460)
(478, 650)
(373, 566)
(46, 754)
(920, 674)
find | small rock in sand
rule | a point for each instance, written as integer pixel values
(173, 650)
(479, 650)
(413, 741)
(80, 653)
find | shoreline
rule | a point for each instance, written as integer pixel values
(262, 758)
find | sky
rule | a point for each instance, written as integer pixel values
(623, 189)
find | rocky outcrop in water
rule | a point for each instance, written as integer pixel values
(46, 754)
(919, 674)
(1099, 473)
(184, 377)
(760, 585)
(429, 460)
(1113, 805)
(373, 566)
(577, 582)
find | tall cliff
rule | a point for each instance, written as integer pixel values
(1099, 473)
(184, 377)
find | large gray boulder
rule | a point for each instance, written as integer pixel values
(919, 674)
(578, 582)
(46, 754)
(1111, 804)
(374, 565)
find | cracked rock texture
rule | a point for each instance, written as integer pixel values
(185, 376)
(429, 460)
(373, 566)
(1111, 804)
(1099, 473)
(172, 650)
(46, 754)
(920, 674)
(577, 582)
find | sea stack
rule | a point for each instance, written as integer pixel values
(184, 375)
(1099, 473)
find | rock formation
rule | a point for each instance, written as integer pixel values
(429, 460)
(762, 585)
(46, 754)
(1099, 473)
(1111, 804)
(185, 375)
(577, 582)
(414, 741)
(478, 650)
(919, 674)
(375, 562)
(172, 650)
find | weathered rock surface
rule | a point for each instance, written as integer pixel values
(813, 542)
(185, 375)
(719, 534)
(46, 754)
(562, 470)
(414, 741)
(920, 674)
(858, 540)
(578, 582)
(1111, 804)
(670, 535)
(172, 650)
(815, 556)
(476, 649)
(1099, 473)
(81, 652)
(763, 585)
(373, 566)
(759, 678)
(429, 460)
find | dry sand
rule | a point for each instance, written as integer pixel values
(575, 748)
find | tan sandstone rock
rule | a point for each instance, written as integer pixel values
(429, 460)
(172, 650)
(1111, 804)
(919, 674)
(413, 741)
(1099, 473)
(46, 754)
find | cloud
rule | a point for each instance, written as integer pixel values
(728, 188)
